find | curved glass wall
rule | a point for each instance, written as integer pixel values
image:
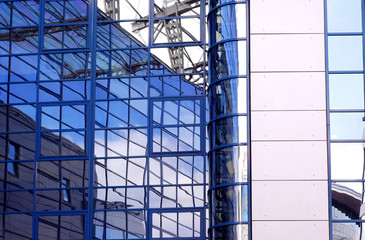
(345, 83)
(100, 136)
(227, 92)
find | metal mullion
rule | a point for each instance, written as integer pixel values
(37, 153)
(90, 139)
(331, 34)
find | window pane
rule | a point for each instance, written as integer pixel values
(344, 16)
(345, 53)
(346, 91)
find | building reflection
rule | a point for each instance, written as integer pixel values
(127, 154)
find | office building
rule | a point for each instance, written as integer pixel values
(190, 119)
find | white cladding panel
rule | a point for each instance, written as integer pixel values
(298, 160)
(287, 52)
(289, 200)
(290, 230)
(288, 91)
(288, 125)
(287, 16)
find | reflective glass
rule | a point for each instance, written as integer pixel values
(13, 201)
(228, 164)
(228, 130)
(53, 200)
(5, 9)
(24, 141)
(229, 204)
(176, 62)
(172, 197)
(120, 224)
(345, 53)
(51, 173)
(25, 13)
(23, 68)
(228, 59)
(178, 30)
(228, 97)
(347, 126)
(15, 174)
(230, 232)
(346, 91)
(176, 224)
(224, 24)
(214, 3)
(120, 198)
(61, 227)
(344, 16)
(347, 160)
(347, 200)
(23, 42)
(348, 230)
(22, 93)
(10, 224)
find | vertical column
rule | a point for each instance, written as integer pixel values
(288, 116)
(229, 184)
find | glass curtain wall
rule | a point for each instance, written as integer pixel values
(345, 85)
(101, 136)
(228, 124)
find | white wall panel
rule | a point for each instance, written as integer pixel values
(288, 125)
(287, 52)
(289, 200)
(288, 91)
(293, 230)
(287, 16)
(289, 160)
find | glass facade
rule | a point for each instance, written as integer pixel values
(345, 82)
(101, 137)
(228, 123)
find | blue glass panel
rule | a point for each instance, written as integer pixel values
(4, 41)
(5, 8)
(114, 224)
(25, 141)
(347, 201)
(19, 176)
(103, 36)
(228, 165)
(76, 10)
(228, 59)
(21, 118)
(50, 67)
(23, 41)
(58, 227)
(50, 174)
(214, 3)
(22, 93)
(228, 130)
(228, 97)
(4, 68)
(345, 53)
(11, 223)
(75, 36)
(230, 232)
(223, 23)
(25, 13)
(344, 16)
(230, 204)
(23, 68)
(346, 91)
(347, 126)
